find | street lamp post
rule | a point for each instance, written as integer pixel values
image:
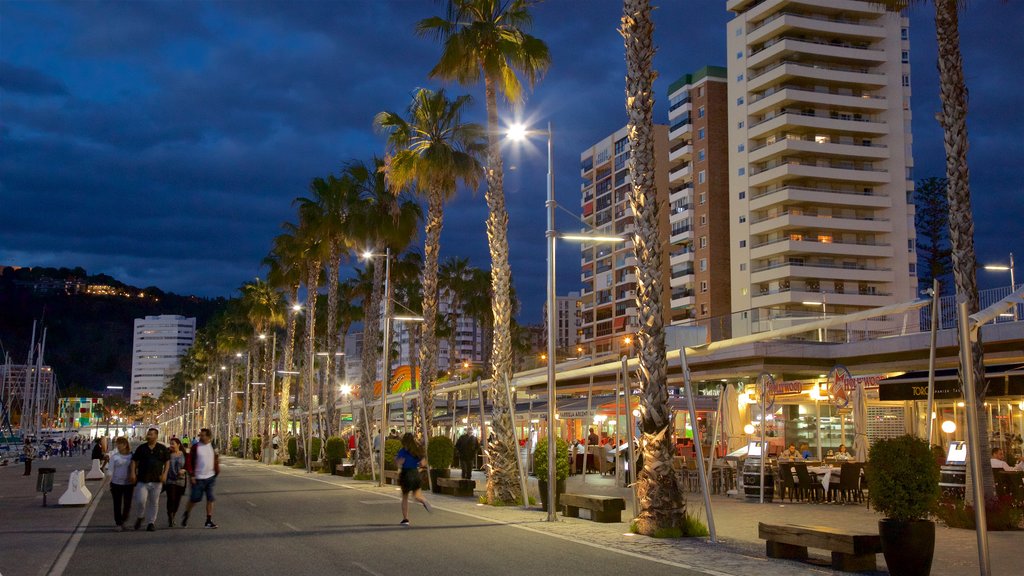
(1013, 283)
(519, 132)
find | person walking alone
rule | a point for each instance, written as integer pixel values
(148, 472)
(467, 447)
(176, 479)
(203, 466)
(120, 488)
(29, 453)
(409, 460)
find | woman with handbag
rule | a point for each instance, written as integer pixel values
(176, 480)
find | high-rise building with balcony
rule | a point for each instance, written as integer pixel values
(158, 344)
(568, 321)
(821, 172)
(608, 271)
(698, 182)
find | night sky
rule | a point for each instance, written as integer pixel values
(163, 142)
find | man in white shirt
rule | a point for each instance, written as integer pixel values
(203, 467)
(997, 460)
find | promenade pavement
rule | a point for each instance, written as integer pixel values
(278, 519)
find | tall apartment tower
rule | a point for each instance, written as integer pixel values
(821, 172)
(699, 200)
(158, 344)
(608, 271)
(567, 322)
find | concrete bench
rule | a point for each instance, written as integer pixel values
(345, 469)
(605, 509)
(851, 552)
(456, 486)
(391, 477)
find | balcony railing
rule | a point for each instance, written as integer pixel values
(764, 193)
(844, 117)
(819, 17)
(764, 267)
(815, 239)
(756, 219)
(795, 138)
(838, 44)
(836, 165)
(815, 65)
(832, 91)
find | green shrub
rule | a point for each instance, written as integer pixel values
(903, 478)
(335, 452)
(540, 459)
(1000, 514)
(440, 452)
(314, 449)
(293, 449)
(391, 448)
(236, 445)
(692, 527)
(257, 444)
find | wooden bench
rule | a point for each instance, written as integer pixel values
(606, 509)
(345, 469)
(456, 486)
(391, 477)
(851, 552)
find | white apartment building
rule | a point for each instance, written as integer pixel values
(608, 271)
(568, 322)
(158, 344)
(821, 170)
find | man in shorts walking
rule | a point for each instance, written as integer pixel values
(203, 466)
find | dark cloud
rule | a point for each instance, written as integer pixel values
(164, 142)
(27, 80)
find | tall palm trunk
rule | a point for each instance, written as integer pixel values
(661, 501)
(286, 382)
(312, 285)
(249, 412)
(953, 95)
(503, 481)
(371, 342)
(232, 407)
(428, 349)
(332, 338)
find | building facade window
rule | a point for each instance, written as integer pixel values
(703, 219)
(740, 148)
(743, 195)
(739, 101)
(700, 111)
(905, 57)
(743, 219)
(741, 171)
(703, 242)
(739, 55)
(739, 77)
(703, 285)
(703, 264)
(743, 243)
(700, 134)
(906, 79)
(702, 198)
(700, 155)
(701, 177)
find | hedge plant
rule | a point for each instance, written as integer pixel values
(335, 452)
(440, 453)
(391, 448)
(293, 449)
(540, 459)
(903, 478)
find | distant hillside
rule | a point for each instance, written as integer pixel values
(89, 320)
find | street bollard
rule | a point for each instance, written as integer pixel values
(44, 482)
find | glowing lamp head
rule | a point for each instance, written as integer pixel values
(516, 132)
(367, 255)
(346, 389)
(748, 429)
(949, 426)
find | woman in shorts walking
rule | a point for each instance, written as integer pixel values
(409, 460)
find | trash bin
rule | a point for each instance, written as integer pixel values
(44, 482)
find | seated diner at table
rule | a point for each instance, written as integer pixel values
(999, 462)
(791, 453)
(805, 450)
(843, 453)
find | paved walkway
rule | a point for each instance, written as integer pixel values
(33, 537)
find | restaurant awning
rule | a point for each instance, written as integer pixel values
(1002, 379)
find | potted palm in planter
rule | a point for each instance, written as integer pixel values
(440, 452)
(540, 468)
(904, 482)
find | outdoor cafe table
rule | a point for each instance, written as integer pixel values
(826, 473)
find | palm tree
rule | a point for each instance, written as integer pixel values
(348, 313)
(661, 502)
(487, 38)
(284, 272)
(431, 152)
(953, 96)
(263, 310)
(332, 199)
(454, 279)
(381, 220)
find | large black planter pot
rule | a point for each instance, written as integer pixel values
(559, 490)
(908, 546)
(436, 473)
